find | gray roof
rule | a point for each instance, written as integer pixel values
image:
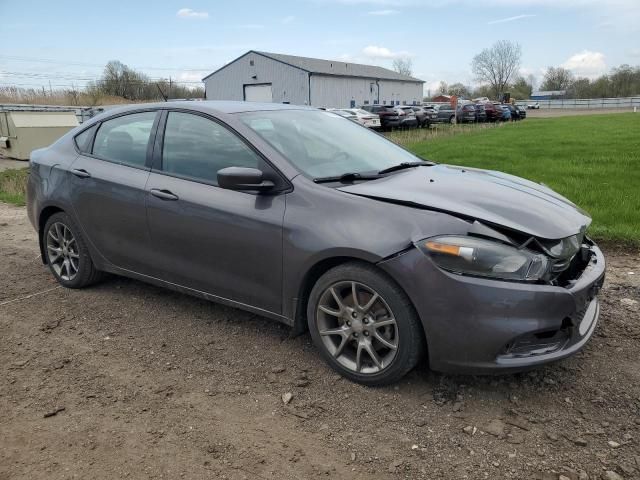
(333, 67)
(206, 106)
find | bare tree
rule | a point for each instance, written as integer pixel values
(443, 88)
(557, 79)
(496, 65)
(404, 66)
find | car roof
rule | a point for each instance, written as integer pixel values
(211, 106)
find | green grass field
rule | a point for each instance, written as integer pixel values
(13, 186)
(592, 160)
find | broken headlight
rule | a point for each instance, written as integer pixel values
(484, 258)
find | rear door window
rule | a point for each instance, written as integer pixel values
(125, 139)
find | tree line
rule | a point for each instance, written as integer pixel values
(497, 68)
(119, 80)
(622, 81)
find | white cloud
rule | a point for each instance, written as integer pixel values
(586, 64)
(376, 52)
(288, 19)
(509, 19)
(189, 13)
(382, 13)
(190, 76)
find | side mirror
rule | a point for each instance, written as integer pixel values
(241, 178)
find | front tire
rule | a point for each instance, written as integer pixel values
(364, 324)
(67, 254)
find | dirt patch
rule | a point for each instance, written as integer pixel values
(128, 380)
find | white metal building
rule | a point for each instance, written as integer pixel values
(273, 77)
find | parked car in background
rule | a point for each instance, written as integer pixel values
(364, 118)
(481, 113)
(407, 116)
(343, 113)
(389, 116)
(515, 113)
(425, 116)
(533, 106)
(506, 113)
(382, 256)
(446, 114)
(522, 112)
(493, 111)
(466, 113)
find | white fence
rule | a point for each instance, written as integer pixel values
(586, 103)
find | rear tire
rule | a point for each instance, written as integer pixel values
(372, 337)
(67, 254)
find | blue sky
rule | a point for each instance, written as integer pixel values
(68, 42)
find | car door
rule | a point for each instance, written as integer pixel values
(444, 112)
(108, 181)
(222, 242)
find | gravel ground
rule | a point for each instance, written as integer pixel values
(128, 380)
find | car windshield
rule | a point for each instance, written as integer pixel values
(323, 144)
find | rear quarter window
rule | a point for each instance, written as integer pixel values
(84, 139)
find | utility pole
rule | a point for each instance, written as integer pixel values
(169, 87)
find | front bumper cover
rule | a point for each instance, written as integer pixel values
(477, 325)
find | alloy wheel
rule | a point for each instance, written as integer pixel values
(357, 327)
(62, 251)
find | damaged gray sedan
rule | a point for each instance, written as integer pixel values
(305, 217)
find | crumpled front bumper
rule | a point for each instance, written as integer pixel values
(476, 325)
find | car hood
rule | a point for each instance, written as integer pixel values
(486, 195)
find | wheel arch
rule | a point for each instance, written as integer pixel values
(44, 215)
(318, 269)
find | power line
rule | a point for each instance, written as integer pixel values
(82, 64)
(11, 84)
(78, 77)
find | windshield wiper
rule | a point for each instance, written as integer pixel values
(346, 177)
(404, 165)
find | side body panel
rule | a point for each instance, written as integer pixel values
(110, 206)
(218, 241)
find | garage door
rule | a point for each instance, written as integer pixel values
(258, 93)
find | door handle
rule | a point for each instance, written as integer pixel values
(81, 173)
(163, 194)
